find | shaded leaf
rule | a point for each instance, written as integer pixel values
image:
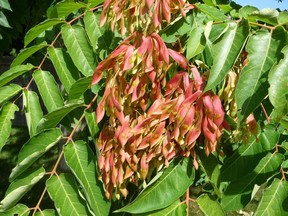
(79, 87)
(247, 156)
(33, 111)
(46, 212)
(48, 89)
(5, 5)
(64, 8)
(19, 210)
(6, 115)
(79, 49)
(40, 28)
(226, 51)
(19, 187)
(26, 53)
(65, 69)
(177, 177)
(8, 92)
(63, 191)
(273, 199)
(238, 193)
(90, 118)
(253, 81)
(14, 72)
(3, 20)
(34, 149)
(209, 206)
(52, 119)
(81, 160)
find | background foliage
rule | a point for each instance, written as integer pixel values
(242, 52)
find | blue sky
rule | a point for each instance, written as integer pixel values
(264, 3)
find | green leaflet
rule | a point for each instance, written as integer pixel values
(212, 12)
(9, 91)
(19, 210)
(209, 206)
(81, 160)
(26, 53)
(52, 119)
(90, 118)
(5, 5)
(174, 181)
(75, 40)
(14, 72)
(64, 8)
(93, 3)
(238, 193)
(226, 51)
(63, 191)
(79, 87)
(34, 149)
(46, 212)
(48, 89)
(3, 20)
(33, 110)
(253, 81)
(274, 199)
(93, 30)
(283, 17)
(39, 29)
(19, 187)
(278, 79)
(6, 115)
(65, 69)
(247, 156)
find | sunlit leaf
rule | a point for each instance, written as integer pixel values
(238, 193)
(63, 191)
(52, 119)
(93, 3)
(79, 49)
(79, 87)
(3, 20)
(226, 51)
(34, 149)
(26, 53)
(46, 212)
(14, 72)
(90, 118)
(212, 12)
(48, 89)
(253, 81)
(19, 187)
(64, 8)
(266, 15)
(283, 17)
(5, 5)
(19, 210)
(6, 115)
(33, 110)
(8, 92)
(40, 28)
(274, 199)
(174, 180)
(81, 160)
(209, 206)
(65, 69)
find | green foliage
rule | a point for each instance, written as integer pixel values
(241, 53)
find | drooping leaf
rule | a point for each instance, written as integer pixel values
(14, 72)
(6, 115)
(212, 12)
(226, 51)
(79, 49)
(175, 180)
(46, 212)
(81, 160)
(40, 28)
(34, 149)
(5, 5)
(278, 79)
(90, 118)
(92, 27)
(8, 92)
(65, 69)
(26, 53)
(52, 119)
(274, 199)
(79, 87)
(33, 110)
(48, 89)
(238, 193)
(63, 191)
(19, 210)
(266, 15)
(253, 81)
(3, 20)
(209, 206)
(247, 156)
(19, 187)
(64, 8)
